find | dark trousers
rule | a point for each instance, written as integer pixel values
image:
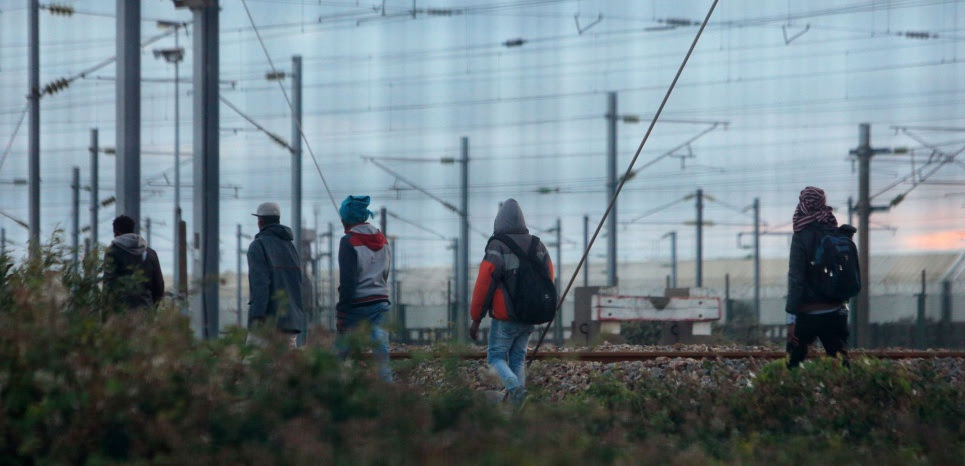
(831, 328)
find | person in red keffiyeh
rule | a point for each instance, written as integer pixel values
(813, 207)
(809, 315)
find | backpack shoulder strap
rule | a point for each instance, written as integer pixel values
(534, 247)
(496, 277)
(508, 241)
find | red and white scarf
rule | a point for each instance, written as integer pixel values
(813, 207)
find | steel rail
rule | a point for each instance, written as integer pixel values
(626, 356)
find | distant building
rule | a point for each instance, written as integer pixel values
(895, 284)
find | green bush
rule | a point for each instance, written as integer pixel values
(84, 382)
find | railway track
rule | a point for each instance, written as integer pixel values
(620, 356)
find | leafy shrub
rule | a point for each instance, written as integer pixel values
(82, 381)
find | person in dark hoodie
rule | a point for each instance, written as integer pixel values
(809, 315)
(507, 339)
(363, 290)
(274, 275)
(132, 272)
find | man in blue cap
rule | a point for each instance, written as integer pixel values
(363, 290)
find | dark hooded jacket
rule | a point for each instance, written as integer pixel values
(132, 272)
(275, 279)
(801, 299)
(500, 263)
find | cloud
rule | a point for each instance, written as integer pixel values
(940, 240)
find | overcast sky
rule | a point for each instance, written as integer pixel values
(788, 82)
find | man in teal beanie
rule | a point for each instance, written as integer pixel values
(363, 290)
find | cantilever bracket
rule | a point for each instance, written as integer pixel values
(581, 30)
(788, 40)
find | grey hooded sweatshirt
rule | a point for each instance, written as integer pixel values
(132, 272)
(500, 263)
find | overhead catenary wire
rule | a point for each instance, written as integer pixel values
(659, 209)
(415, 186)
(274, 137)
(416, 225)
(422, 190)
(742, 23)
(941, 160)
(291, 108)
(616, 194)
(332, 173)
(13, 136)
(63, 83)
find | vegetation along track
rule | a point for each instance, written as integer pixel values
(619, 356)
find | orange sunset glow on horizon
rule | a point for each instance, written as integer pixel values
(937, 241)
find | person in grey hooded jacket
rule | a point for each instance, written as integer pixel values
(132, 271)
(274, 274)
(508, 339)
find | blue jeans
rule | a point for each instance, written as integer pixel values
(507, 351)
(374, 314)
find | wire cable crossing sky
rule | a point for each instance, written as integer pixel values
(769, 103)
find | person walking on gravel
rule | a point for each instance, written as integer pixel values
(363, 291)
(500, 271)
(822, 275)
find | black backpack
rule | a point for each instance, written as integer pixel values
(534, 295)
(834, 272)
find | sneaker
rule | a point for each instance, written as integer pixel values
(518, 396)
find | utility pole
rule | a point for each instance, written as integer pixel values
(462, 282)
(728, 314)
(853, 302)
(128, 110)
(850, 210)
(75, 217)
(177, 167)
(757, 259)
(238, 275)
(33, 123)
(331, 277)
(174, 56)
(394, 280)
(296, 143)
(864, 152)
(3, 242)
(920, 317)
(673, 258)
(94, 188)
(586, 243)
(864, 212)
(181, 286)
(206, 165)
(558, 321)
(700, 238)
(316, 267)
(393, 295)
(147, 230)
(611, 188)
(453, 309)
